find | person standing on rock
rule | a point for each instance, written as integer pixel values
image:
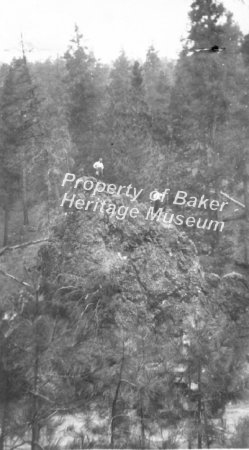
(99, 167)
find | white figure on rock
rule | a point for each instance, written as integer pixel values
(99, 167)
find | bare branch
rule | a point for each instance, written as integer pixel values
(53, 332)
(126, 381)
(26, 442)
(96, 314)
(36, 394)
(232, 199)
(120, 415)
(239, 217)
(65, 288)
(8, 275)
(18, 445)
(25, 244)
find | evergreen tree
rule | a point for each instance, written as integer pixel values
(201, 101)
(83, 83)
(129, 121)
(206, 28)
(19, 125)
(13, 383)
(157, 94)
(57, 151)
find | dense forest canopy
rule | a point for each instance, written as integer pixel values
(136, 329)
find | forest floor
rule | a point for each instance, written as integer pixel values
(234, 412)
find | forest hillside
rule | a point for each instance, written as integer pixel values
(125, 291)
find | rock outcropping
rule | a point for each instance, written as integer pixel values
(140, 257)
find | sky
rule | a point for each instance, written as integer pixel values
(108, 26)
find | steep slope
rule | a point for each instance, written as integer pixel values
(125, 310)
(139, 256)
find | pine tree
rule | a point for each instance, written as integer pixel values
(157, 94)
(201, 100)
(83, 93)
(206, 29)
(238, 137)
(129, 120)
(118, 115)
(56, 152)
(245, 153)
(13, 383)
(19, 125)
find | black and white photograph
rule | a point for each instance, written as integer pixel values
(124, 224)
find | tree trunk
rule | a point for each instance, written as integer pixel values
(35, 429)
(35, 437)
(142, 427)
(206, 427)
(213, 215)
(47, 161)
(114, 409)
(4, 415)
(190, 424)
(24, 191)
(199, 405)
(6, 225)
(246, 200)
(114, 403)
